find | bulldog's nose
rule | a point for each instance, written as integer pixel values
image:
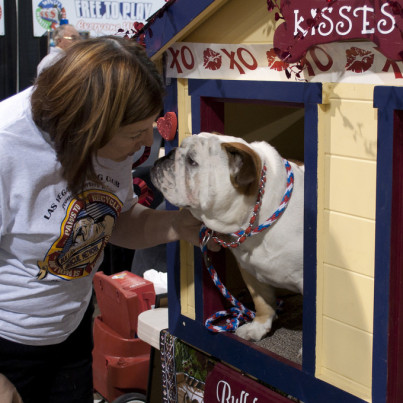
(171, 154)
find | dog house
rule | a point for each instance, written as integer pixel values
(337, 105)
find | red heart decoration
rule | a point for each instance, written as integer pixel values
(167, 126)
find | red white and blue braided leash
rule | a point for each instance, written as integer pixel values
(239, 314)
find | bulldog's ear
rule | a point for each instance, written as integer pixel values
(245, 166)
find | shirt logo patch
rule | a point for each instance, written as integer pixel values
(85, 231)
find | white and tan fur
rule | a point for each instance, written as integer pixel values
(216, 177)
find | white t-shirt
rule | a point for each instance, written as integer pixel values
(50, 243)
(52, 57)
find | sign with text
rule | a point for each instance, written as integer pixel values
(223, 385)
(313, 22)
(96, 17)
(2, 17)
(352, 62)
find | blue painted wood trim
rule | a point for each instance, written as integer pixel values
(382, 254)
(171, 105)
(175, 18)
(173, 250)
(297, 93)
(310, 236)
(196, 123)
(386, 99)
(286, 378)
(293, 92)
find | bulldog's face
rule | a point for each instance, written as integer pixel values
(208, 174)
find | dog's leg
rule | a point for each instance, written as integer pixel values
(264, 298)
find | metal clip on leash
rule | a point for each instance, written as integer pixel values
(203, 244)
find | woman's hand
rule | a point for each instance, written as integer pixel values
(188, 228)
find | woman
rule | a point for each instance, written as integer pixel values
(66, 151)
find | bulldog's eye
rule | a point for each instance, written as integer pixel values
(190, 161)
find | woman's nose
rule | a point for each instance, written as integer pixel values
(149, 139)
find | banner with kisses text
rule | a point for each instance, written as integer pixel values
(349, 62)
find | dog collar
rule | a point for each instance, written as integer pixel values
(242, 235)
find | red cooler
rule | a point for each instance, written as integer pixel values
(120, 359)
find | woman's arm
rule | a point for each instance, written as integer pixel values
(142, 227)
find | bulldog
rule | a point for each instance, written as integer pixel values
(218, 178)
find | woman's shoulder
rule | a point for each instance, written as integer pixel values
(15, 109)
(19, 136)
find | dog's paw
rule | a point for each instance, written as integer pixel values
(254, 331)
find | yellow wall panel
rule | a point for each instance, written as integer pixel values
(184, 110)
(186, 249)
(347, 352)
(187, 280)
(350, 136)
(348, 297)
(254, 24)
(349, 242)
(190, 27)
(351, 124)
(347, 91)
(350, 186)
(346, 384)
(347, 150)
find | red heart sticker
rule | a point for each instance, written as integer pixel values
(167, 126)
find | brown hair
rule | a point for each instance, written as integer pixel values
(99, 85)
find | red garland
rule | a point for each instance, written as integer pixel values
(141, 32)
(272, 5)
